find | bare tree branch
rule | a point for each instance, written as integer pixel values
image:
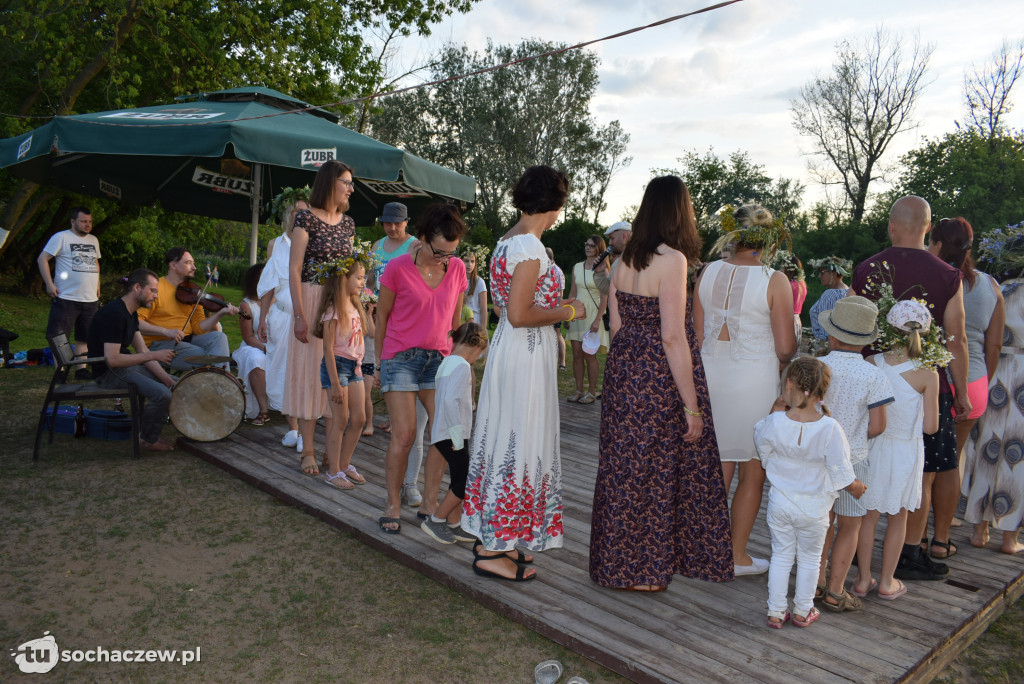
(853, 114)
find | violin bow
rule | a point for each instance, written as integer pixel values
(199, 299)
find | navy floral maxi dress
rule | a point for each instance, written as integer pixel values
(660, 506)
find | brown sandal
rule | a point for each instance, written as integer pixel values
(843, 602)
(308, 463)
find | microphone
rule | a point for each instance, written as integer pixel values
(604, 255)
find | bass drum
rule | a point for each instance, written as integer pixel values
(207, 404)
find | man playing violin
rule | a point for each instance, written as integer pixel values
(186, 329)
(114, 329)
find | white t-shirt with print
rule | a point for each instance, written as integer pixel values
(76, 269)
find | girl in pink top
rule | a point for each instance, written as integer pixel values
(341, 322)
(420, 301)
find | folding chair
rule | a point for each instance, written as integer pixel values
(61, 391)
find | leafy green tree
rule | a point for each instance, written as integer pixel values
(714, 182)
(966, 173)
(65, 57)
(494, 125)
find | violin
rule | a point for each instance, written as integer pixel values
(189, 293)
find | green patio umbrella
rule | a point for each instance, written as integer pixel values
(223, 155)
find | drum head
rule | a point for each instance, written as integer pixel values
(207, 404)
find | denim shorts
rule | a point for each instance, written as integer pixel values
(410, 370)
(346, 372)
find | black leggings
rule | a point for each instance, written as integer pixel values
(458, 465)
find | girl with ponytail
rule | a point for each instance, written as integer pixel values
(807, 459)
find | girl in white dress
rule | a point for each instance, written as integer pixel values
(896, 457)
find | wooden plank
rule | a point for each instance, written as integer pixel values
(695, 630)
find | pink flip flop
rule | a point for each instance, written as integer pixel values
(896, 594)
(853, 589)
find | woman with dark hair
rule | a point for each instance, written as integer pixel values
(950, 240)
(743, 314)
(514, 490)
(251, 355)
(994, 482)
(320, 233)
(660, 505)
(584, 287)
(420, 302)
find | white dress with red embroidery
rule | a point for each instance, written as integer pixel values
(514, 488)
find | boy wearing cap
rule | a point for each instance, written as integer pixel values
(857, 398)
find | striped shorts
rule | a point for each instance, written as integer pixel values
(846, 504)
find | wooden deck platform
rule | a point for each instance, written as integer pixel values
(695, 631)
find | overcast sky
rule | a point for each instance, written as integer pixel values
(725, 79)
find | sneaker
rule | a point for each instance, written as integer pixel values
(411, 496)
(438, 530)
(290, 439)
(916, 565)
(298, 444)
(83, 374)
(758, 566)
(461, 534)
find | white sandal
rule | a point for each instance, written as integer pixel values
(345, 482)
(587, 398)
(353, 475)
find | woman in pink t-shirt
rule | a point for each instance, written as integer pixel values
(420, 302)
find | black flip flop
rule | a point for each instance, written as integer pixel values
(520, 572)
(384, 520)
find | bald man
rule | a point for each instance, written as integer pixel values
(914, 272)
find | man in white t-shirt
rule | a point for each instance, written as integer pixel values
(74, 288)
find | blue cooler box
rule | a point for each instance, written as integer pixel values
(112, 425)
(65, 419)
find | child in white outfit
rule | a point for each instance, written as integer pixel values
(807, 460)
(896, 458)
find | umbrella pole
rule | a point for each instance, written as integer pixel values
(257, 172)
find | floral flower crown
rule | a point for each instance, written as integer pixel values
(934, 354)
(785, 259)
(362, 253)
(834, 264)
(287, 197)
(1002, 251)
(481, 253)
(768, 238)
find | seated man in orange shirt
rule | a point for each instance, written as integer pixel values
(164, 325)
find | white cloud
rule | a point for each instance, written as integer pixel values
(726, 78)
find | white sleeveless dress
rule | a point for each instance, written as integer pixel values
(249, 359)
(743, 372)
(896, 457)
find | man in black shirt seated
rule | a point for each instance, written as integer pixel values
(114, 328)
